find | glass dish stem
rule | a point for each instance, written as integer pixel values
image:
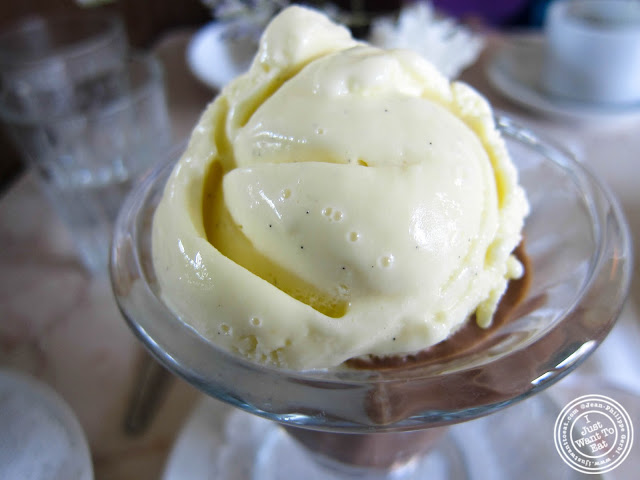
(366, 453)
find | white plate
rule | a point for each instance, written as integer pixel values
(40, 437)
(515, 71)
(215, 59)
(195, 453)
(220, 442)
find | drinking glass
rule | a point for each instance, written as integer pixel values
(87, 115)
(381, 423)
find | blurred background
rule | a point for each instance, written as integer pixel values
(147, 21)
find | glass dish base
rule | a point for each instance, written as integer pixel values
(280, 457)
(224, 443)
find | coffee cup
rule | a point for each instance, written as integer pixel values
(593, 51)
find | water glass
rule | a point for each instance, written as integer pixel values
(88, 115)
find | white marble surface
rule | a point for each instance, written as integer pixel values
(62, 326)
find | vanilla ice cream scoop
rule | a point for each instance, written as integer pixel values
(335, 201)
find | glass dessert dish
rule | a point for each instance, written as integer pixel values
(378, 422)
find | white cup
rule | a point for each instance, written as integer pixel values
(593, 51)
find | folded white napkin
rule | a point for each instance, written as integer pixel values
(450, 46)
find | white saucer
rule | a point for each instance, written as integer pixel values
(515, 71)
(220, 442)
(216, 59)
(40, 437)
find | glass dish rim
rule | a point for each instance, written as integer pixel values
(357, 378)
